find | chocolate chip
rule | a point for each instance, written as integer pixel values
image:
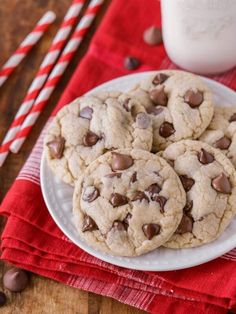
(187, 182)
(153, 190)
(56, 147)
(223, 143)
(232, 118)
(139, 196)
(162, 201)
(188, 206)
(15, 280)
(154, 110)
(222, 184)
(159, 79)
(131, 63)
(143, 120)
(133, 177)
(3, 298)
(152, 36)
(90, 139)
(126, 104)
(150, 230)
(126, 220)
(166, 129)
(121, 161)
(193, 98)
(186, 225)
(118, 225)
(114, 175)
(89, 224)
(158, 96)
(90, 194)
(86, 113)
(205, 158)
(117, 199)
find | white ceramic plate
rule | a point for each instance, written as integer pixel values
(58, 198)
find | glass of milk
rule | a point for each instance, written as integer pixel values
(200, 35)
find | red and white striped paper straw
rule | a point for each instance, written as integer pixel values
(46, 66)
(56, 73)
(30, 40)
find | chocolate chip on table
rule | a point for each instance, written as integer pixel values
(222, 184)
(150, 230)
(159, 79)
(153, 190)
(121, 161)
(90, 139)
(154, 110)
(188, 206)
(3, 298)
(89, 224)
(90, 194)
(15, 280)
(223, 143)
(126, 104)
(166, 129)
(143, 120)
(205, 158)
(139, 196)
(118, 225)
(133, 177)
(158, 96)
(131, 63)
(152, 36)
(187, 182)
(193, 98)
(86, 113)
(232, 118)
(117, 199)
(161, 200)
(186, 225)
(126, 220)
(114, 175)
(56, 147)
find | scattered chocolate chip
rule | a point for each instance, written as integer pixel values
(133, 177)
(187, 182)
(186, 225)
(161, 200)
(158, 96)
(205, 158)
(150, 230)
(90, 139)
(89, 224)
(222, 184)
(126, 104)
(121, 161)
(143, 120)
(188, 206)
(223, 143)
(152, 36)
(154, 110)
(153, 190)
(159, 79)
(86, 113)
(15, 280)
(117, 199)
(126, 220)
(56, 147)
(166, 129)
(193, 98)
(90, 194)
(118, 225)
(232, 118)
(3, 298)
(131, 63)
(139, 196)
(114, 175)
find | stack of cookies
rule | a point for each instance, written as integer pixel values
(151, 167)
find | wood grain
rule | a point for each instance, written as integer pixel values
(17, 18)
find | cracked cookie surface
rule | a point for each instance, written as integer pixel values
(91, 125)
(128, 202)
(221, 133)
(179, 103)
(209, 180)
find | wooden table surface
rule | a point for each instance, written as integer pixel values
(17, 18)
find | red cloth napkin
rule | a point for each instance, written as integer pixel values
(31, 239)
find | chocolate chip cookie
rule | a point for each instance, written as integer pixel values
(179, 103)
(221, 132)
(91, 125)
(128, 202)
(209, 180)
